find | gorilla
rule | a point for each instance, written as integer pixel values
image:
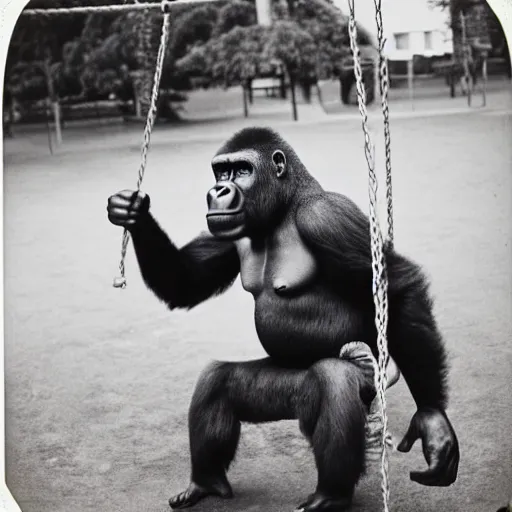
(304, 255)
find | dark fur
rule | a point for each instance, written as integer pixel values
(303, 380)
(261, 391)
(183, 278)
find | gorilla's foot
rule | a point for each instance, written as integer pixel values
(196, 493)
(319, 502)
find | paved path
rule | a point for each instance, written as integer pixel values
(202, 125)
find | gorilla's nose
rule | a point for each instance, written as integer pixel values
(222, 191)
(225, 197)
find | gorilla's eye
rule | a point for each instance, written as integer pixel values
(226, 171)
(242, 169)
(243, 172)
(222, 175)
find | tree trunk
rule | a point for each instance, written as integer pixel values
(249, 91)
(264, 12)
(451, 83)
(56, 116)
(306, 92)
(294, 99)
(54, 101)
(282, 87)
(245, 94)
(291, 7)
(47, 108)
(136, 101)
(484, 82)
(410, 81)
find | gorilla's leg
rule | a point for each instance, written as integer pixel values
(226, 394)
(213, 435)
(332, 411)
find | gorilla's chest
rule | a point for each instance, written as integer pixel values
(281, 263)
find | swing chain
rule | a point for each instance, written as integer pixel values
(120, 282)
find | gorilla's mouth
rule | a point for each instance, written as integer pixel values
(226, 224)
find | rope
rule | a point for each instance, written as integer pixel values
(380, 283)
(384, 87)
(165, 5)
(360, 354)
(120, 282)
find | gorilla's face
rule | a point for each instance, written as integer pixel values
(246, 194)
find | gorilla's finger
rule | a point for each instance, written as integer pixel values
(136, 201)
(127, 194)
(438, 472)
(428, 477)
(122, 222)
(121, 202)
(424, 478)
(116, 222)
(452, 469)
(121, 213)
(434, 478)
(409, 439)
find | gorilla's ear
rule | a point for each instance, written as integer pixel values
(280, 162)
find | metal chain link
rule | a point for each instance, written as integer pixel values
(380, 283)
(120, 282)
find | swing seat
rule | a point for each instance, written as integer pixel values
(361, 355)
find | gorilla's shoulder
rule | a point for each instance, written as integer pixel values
(327, 205)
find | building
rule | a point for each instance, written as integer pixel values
(414, 28)
(411, 27)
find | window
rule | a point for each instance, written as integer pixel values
(428, 40)
(402, 41)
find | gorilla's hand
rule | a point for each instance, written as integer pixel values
(127, 207)
(440, 447)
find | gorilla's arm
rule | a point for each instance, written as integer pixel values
(337, 232)
(185, 277)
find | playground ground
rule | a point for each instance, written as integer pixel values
(98, 380)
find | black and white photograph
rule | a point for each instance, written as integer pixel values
(257, 255)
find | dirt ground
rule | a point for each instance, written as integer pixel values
(98, 380)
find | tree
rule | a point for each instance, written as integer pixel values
(95, 56)
(329, 28)
(496, 34)
(32, 68)
(295, 48)
(243, 53)
(232, 55)
(92, 56)
(309, 39)
(238, 13)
